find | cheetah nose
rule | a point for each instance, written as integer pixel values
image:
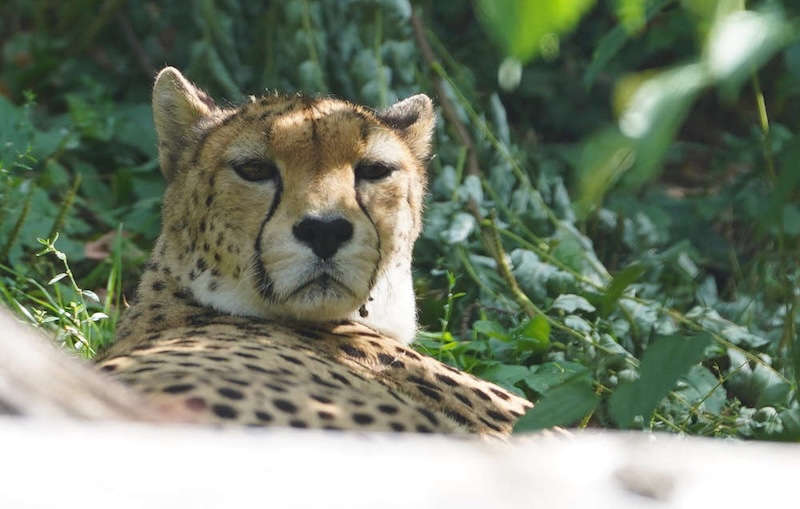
(323, 236)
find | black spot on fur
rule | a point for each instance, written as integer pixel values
(497, 416)
(459, 418)
(293, 360)
(224, 411)
(316, 379)
(391, 361)
(490, 425)
(230, 393)
(263, 416)
(463, 399)
(500, 394)
(353, 351)
(428, 415)
(421, 381)
(259, 369)
(408, 353)
(340, 378)
(387, 409)
(481, 394)
(429, 392)
(307, 334)
(276, 388)
(285, 406)
(178, 388)
(446, 379)
(363, 419)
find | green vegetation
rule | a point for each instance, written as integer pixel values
(613, 223)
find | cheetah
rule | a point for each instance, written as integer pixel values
(279, 292)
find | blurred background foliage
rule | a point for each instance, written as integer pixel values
(613, 223)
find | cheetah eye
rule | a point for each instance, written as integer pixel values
(255, 170)
(373, 171)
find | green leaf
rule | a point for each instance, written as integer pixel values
(663, 363)
(462, 225)
(533, 335)
(791, 424)
(631, 14)
(57, 278)
(544, 376)
(605, 157)
(522, 27)
(622, 280)
(570, 302)
(91, 295)
(613, 41)
(507, 375)
(492, 329)
(791, 219)
(792, 59)
(562, 405)
(702, 389)
(654, 111)
(742, 41)
(773, 390)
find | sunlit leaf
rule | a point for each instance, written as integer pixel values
(742, 41)
(91, 295)
(570, 303)
(653, 114)
(97, 317)
(533, 334)
(57, 278)
(523, 27)
(462, 225)
(631, 14)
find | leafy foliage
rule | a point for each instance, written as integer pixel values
(616, 237)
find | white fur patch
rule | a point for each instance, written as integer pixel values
(381, 146)
(392, 310)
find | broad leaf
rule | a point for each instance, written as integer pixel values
(562, 405)
(663, 363)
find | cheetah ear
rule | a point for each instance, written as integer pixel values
(177, 106)
(414, 119)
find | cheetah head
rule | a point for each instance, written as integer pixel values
(292, 207)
